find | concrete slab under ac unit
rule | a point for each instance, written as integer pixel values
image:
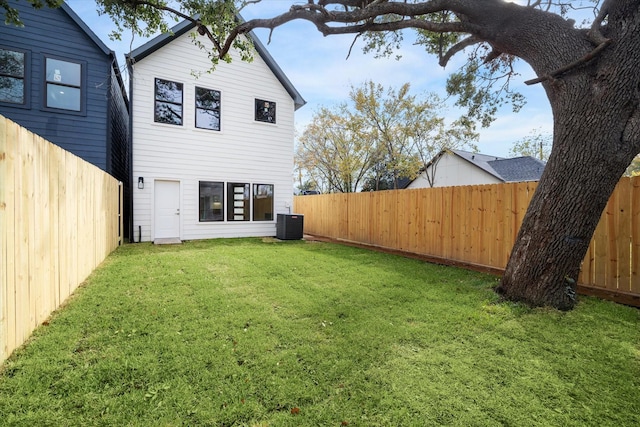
(167, 241)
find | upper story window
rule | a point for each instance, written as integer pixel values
(168, 102)
(64, 84)
(265, 111)
(12, 76)
(207, 108)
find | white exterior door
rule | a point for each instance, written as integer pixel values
(167, 209)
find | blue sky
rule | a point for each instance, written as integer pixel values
(319, 68)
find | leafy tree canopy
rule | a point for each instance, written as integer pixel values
(536, 144)
(481, 86)
(11, 14)
(381, 135)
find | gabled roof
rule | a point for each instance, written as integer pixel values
(64, 6)
(103, 47)
(517, 169)
(479, 160)
(186, 26)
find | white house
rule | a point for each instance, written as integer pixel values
(457, 167)
(212, 156)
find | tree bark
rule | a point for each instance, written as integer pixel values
(592, 80)
(596, 136)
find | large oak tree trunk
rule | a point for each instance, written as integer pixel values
(596, 135)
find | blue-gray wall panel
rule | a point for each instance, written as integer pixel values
(51, 32)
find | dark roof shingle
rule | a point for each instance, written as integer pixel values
(518, 169)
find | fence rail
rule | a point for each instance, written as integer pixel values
(477, 225)
(59, 219)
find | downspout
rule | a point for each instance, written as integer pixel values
(130, 142)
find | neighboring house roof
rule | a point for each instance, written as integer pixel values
(186, 26)
(477, 159)
(517, 169)
(64, 6)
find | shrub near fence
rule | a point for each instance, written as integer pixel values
(477, 226)
(59, 219)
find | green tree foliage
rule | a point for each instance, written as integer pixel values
(11, 15)
(634, 167)
(333, 152)
(215, 21)
(536, 145)
(381, 135)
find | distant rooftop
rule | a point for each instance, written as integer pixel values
(517, 169)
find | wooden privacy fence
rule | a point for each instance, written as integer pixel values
(477, 226)
(59, 219)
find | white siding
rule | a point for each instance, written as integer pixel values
(451, 170)
(243, 151)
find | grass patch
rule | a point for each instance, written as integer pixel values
(251, 332)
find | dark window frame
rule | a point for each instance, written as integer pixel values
(234, 209)
(258, 195)
(83, 85)
(210, 215)
(26, 78)
(197, 108)
(156, 101)
(265, 111)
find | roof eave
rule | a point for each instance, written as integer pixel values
(186, 26)
(67, 9)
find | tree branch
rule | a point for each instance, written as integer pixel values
(458, 47)
(588, 57)
(361, 18)
(202, 29)
(594, 32)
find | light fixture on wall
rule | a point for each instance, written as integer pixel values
(140, 183)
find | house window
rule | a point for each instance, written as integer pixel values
(168, 102)
(207, 109)
(265, 111)
(237, 202)
(211, 201)
(263, 202)
(64, 84)
(12, 76)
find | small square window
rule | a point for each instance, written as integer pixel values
(64, 84)
(207, 109)
(211, 201)
(265, 111)
(12, 76)
(168, 102)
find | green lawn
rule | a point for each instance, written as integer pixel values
(252, 332)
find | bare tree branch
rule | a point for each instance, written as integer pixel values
(362, 18)
(588, 57)
(458, 47)
(202, 29)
